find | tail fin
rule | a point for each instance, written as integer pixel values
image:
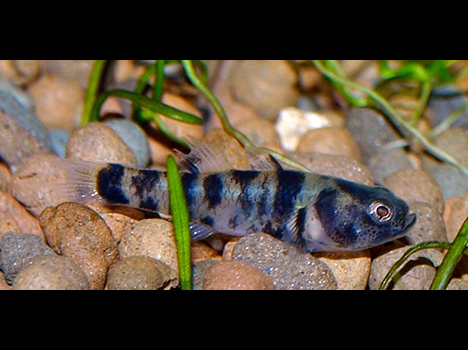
(79, 181)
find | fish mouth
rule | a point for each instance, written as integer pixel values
(410, 221)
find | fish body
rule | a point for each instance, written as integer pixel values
(318, 213)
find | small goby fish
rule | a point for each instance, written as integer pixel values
(315, 212)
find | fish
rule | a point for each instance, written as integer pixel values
(316, 213)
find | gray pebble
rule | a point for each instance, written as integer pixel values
(132, 134)
(445, 101)
(19, 95)
(59, 140)
(18, 249)
(386, 163)
(416, 274)
(452, 181)
(199, 271)
(429, 226)
(371, 130)
(284, 264)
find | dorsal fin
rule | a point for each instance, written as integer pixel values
(203, 158)
(261, 160)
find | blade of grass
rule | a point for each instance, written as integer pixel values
(93, 89)
(143, 101)
(181, 222)
(451, 260)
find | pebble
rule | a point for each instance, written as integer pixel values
(371, 130)
(59, 102)
(3, 284)
(202, 251)
(416, 274)
(385, 164)
(76, 70)
(80, 234)
(59, 140)
(236, 275)
(5, 178)
(199, 271)
(153, 238)
(429, 225)
(134, 136)
(337, 166)
(330, 140)
(440, 108)
(294, 123)
(456, 212)
(458, 284)
(138, 273)
(22, 134)
(416, 186)
(8, 225)
(261, 132)
(35, 182)
(454, 141)
(20, 72)
(288, 268)
(451, 181)
(51, 272)
(267, 86)
(18, 249)
(11, 209)
(97, 142)
(351, 270)
(23, 98)
(117, 223)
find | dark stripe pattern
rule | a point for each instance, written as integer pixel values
(213, 186)
(109, 184)
(244, 180)
(145, 182)
(290, 185)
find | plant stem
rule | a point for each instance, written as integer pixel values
(451, 260)
(93, 89)
(181, 222)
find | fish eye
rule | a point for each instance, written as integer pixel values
(382, 211)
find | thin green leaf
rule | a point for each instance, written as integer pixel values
(181, 222)
(93, 88)
(146, 102)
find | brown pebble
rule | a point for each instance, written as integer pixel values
(336, 141)
(429, 225)
(97, 142)
(416, 186)
(20, 72)
(35, 183)
(456, 212)
(236, 275)
(11, 209)
(260, 132)
(8, 225)
(153, 238)
(351, 269)
(5, 178)
(3, 284)
(137, 273)
(50, 272)
(454, 141)
(202, 251)
(80, 234)
(59, 102)
(265, 85)
(229, 248)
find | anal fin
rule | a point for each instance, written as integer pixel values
(201, 231)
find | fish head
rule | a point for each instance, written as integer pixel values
(356, 217)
